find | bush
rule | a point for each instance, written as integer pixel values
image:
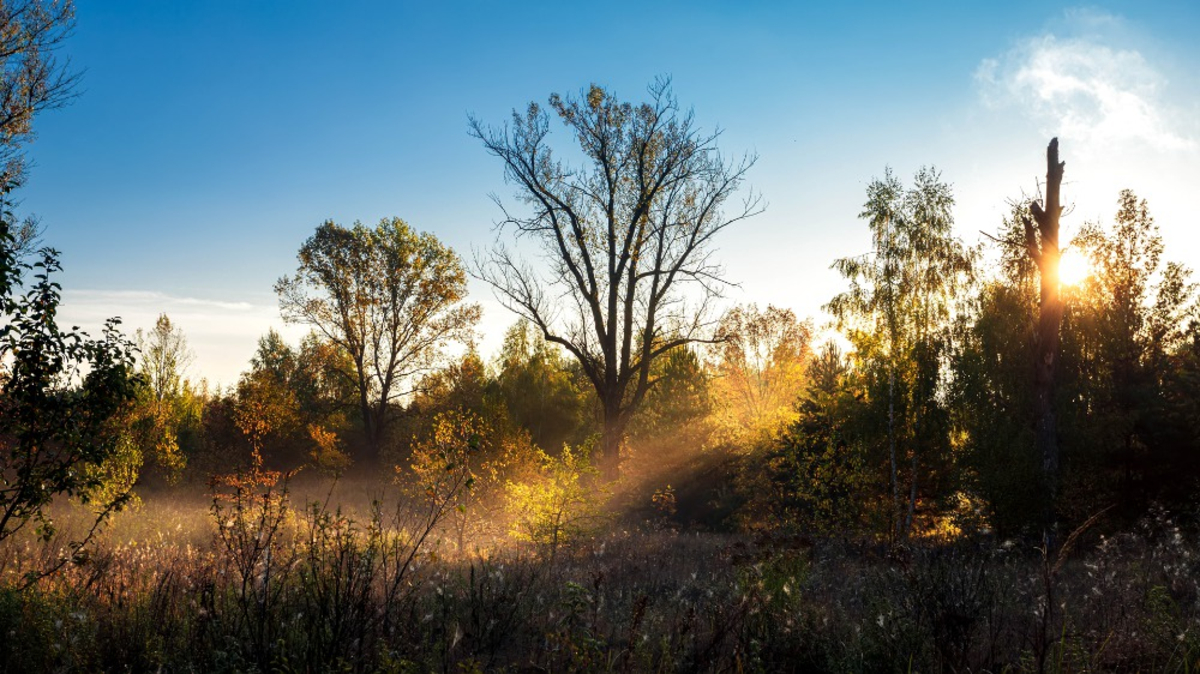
(557, 505)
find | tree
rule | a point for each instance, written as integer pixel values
(558, 504)
(1120, 328)
(1041, 244)
(390, 298)
(266, 411)
(675, 421)
(897, 314)
(469, 459)
(625, 234)
(539, 390)
(759, 372)
(993, 411)
(61, 396)
(165, 357)
(292, 402)
(62, 393)
(818, 480)
(32, 80)
(168, 407)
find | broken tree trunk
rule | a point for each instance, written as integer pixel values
(1041, 241)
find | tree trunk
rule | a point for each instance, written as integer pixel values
(911, 512)
(896, 517)
(1046, 254)
(364, 406)
(611, 437)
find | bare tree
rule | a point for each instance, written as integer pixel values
(625, 234)
(1041, 243)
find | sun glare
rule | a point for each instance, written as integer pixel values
(1072, 267)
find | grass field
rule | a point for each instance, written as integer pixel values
(290, 588)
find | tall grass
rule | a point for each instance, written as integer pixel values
(380, 586)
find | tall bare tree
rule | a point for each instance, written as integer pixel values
(1041, 243)
(625, 235)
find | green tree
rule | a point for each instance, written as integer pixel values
(675, 421)
(1177, 478)
(896, 314)
(390, 298)
(1119, 330)
(993, 361)
(627, 235)
(62, 396)
(462, 386)
(62, 393)
(819, 478)
(539, 390)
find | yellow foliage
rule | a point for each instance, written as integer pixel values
(555, 505)
(759, 374)
(464, 463)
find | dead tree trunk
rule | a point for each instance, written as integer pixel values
(1041, 241)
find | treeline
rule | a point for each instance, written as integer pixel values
(922, 426)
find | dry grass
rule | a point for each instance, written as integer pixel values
(356, 590)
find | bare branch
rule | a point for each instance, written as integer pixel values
(625, 235)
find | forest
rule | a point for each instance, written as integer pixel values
(987, 461)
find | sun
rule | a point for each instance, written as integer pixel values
(1073, 267)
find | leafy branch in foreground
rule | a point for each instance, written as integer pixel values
(62, 400)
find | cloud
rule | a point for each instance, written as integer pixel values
(222, 334)
(148, 299)
(1084, 88)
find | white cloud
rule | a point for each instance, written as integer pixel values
(1086, 89)
(222, 334)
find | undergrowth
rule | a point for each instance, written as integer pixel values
(275, 586)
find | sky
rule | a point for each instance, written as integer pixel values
(211, 138)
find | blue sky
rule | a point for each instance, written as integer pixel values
(211, 138)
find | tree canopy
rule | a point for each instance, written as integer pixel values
(390, 298)
(625, 236)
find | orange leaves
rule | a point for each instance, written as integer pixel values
(328, 455)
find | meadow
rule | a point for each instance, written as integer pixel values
(286, 581)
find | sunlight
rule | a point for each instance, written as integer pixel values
(1073, 267)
